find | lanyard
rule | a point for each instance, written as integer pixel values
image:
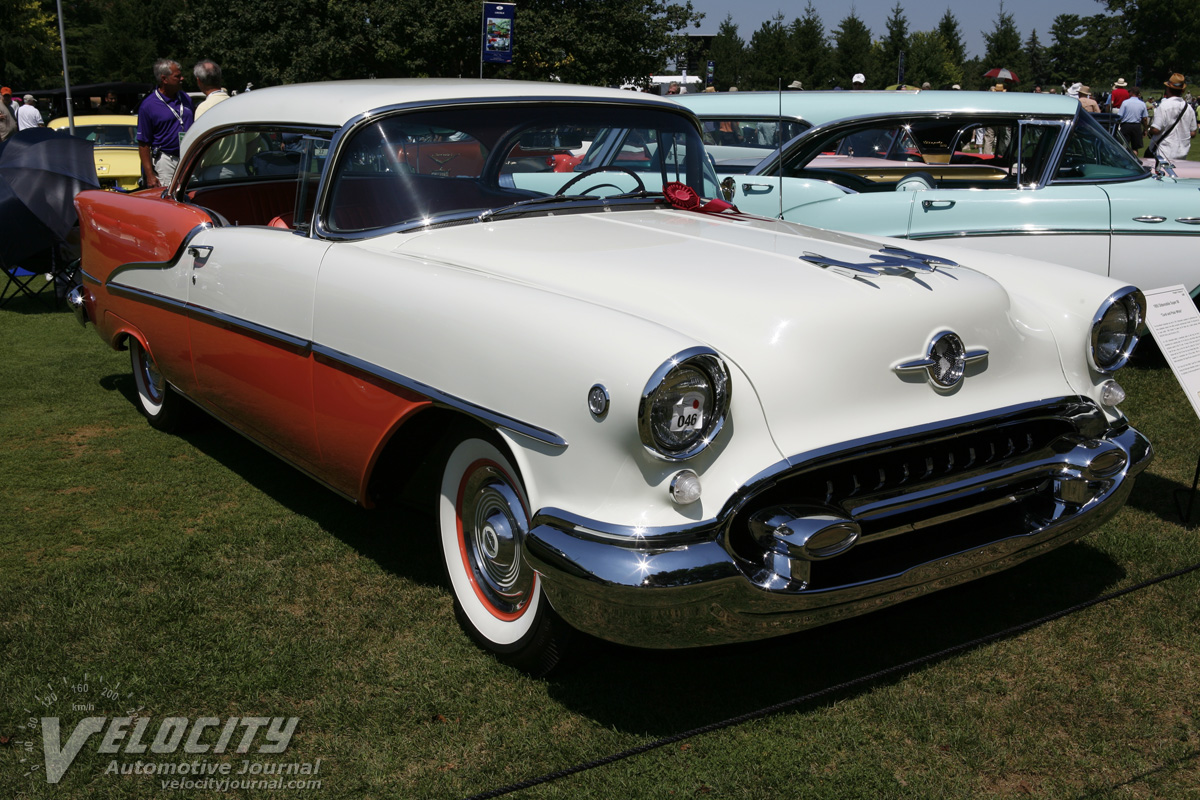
(178, 114)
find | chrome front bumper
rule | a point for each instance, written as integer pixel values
(707, 585)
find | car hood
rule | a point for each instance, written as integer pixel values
(818, 347)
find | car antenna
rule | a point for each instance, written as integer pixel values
(779, 138)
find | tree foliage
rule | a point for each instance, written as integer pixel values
(951, 34)
(29, 48)
(894, 44)
(853, 52)
(728, 51)
(809, 42)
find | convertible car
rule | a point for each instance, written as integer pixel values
(1026, 174)
(611, 371)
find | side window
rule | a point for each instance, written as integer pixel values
(261, 177)
(1091, 153)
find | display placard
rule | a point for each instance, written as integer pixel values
(1173, 319)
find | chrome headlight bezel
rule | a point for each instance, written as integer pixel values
(1105, 355)
(705, 361)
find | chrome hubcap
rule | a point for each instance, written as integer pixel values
(494, 526)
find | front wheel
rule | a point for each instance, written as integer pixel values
(158, 402)
(483, 518)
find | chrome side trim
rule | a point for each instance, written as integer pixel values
(960, 234)
(170, 262)
(297, 344)
(329, 355)
(1154, 218)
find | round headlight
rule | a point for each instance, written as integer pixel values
(684, 404)
(1114, 330)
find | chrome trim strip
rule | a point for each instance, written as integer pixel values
(144, 265)
(495, 418)
(1150, 218)
(297, 344)
(150, 298)
(1188, 220)
(1004, 232)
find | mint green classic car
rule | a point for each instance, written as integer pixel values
(1023, 174)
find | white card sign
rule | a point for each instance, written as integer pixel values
(1175, 322)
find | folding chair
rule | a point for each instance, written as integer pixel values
(24, 282)
(44, 277)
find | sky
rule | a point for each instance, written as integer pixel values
(973, 18)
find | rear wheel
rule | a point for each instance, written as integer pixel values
(483, 517)
(158, 402)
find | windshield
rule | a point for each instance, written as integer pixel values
(107, 135)
(444, 165)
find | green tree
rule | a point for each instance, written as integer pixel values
(1037, 62)
(811, 49)
(894, 43)
(852, 51)
(929, 60)
(1069, 56)
(1164, 36)
(1003, 44)
(729, 52)
(29, 51)
(951, 34)
(771, 58)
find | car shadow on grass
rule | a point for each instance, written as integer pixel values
(662, 693)
(400, 538)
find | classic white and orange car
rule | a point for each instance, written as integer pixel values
(656, 419)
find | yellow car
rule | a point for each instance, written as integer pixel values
(114, 136)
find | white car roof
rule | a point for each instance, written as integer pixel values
(333, 103)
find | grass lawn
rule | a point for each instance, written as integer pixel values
(197, 576)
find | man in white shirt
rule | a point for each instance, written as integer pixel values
(1174, 122)
(209, 78)
(28, 115)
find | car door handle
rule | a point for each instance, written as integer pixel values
(933, 205)
(1150, 219)
(757, 188)
(1188, 220)
(200, 252)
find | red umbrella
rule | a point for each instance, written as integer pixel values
(1002, 74)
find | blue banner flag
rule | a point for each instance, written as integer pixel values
(498, 32)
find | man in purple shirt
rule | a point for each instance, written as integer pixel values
(163, 117)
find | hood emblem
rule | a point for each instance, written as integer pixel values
(887, 260)
(945, 361)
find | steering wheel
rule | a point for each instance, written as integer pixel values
(563, 190)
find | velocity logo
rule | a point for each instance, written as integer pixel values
(127, 735)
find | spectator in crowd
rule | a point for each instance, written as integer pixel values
(209, 79)
(1174, 122)
(8, 121)
(163, 118)
(1087, 101)
(110, 104)
(858, 81)
(28, 115)
(673, 88)
(1037, 89)
(795, 86)
(1135, 119)
(1119, 94)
